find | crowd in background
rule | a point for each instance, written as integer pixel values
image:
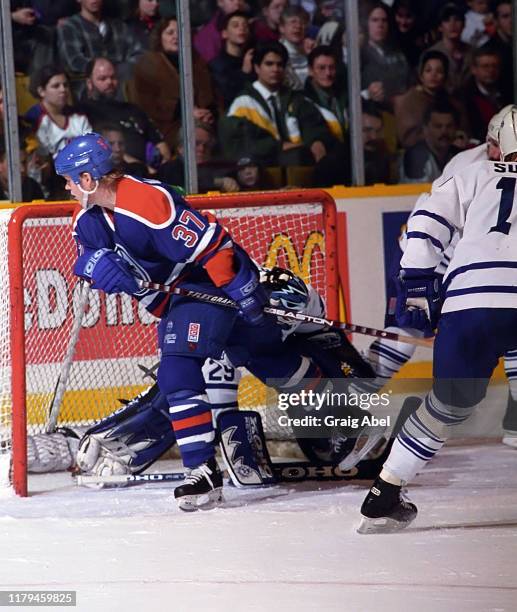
(270, 87)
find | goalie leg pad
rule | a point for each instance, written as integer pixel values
(244, 449)
(129, 445)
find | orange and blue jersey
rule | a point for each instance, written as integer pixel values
(161, 237)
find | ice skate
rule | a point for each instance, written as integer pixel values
(385, 510)
(202, 488)
(510, 423)
(509, 438)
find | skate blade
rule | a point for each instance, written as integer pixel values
(382, 525)
(510, 440)
(207, 501)
(363, 446)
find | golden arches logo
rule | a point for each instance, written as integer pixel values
(283, 243)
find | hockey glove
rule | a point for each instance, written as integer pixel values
(107, 271)
(418, 300)
(246, 290)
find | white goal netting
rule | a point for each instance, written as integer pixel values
(116, 346)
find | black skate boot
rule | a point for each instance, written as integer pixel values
(202, 487)
(385, 510)
(510, 423)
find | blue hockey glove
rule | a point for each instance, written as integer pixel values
(418, 300)
(246, 290)
(252, 306)
(107, 271)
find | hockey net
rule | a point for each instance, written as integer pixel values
(115, 348)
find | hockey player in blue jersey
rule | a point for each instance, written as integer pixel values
(129, 228)
(478, 321)
(133, 437)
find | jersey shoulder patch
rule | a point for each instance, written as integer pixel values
(149, 203)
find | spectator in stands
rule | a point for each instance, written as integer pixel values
(407, 34)
(378, 165)
(34, 23)
(114, 135)
(89, 34)
(410, 108)
(326, 91)
(332, 34)
(329, 94)
(250, 175)
(326, 10)
(277, 126)
(25, 133)
(266, 27)
(384, 68)
(483, 96)
(155, 87)
(30, 188)
(145, 16)
(501, 42)
(478, 21)
(233, 67)
(425, 161)
(451, 23)
(53, 120)
(208, 41)
(293, 29)
(101, 104)
(212, 175)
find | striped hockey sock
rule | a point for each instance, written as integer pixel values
(422, 436)
(386, 358)
(191, 417)
(510, 368)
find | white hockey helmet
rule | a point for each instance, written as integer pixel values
(507, 135)
(495, 123)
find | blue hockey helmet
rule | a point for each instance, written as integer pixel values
(86, 153)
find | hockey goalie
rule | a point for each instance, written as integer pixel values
(134, 436)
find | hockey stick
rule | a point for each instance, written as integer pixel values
(59, 391)
(296, 471)
(288, 314)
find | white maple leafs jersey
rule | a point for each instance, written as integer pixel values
(457, 163)
(479, 202)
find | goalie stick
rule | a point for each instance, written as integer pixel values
(296, 471)
(286, 471)
(289, 314)
(59, 391)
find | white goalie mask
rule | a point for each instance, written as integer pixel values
(507, 135)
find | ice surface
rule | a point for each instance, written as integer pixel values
(283, 548)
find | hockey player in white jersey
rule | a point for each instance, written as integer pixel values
(387, 356)
(478, 321)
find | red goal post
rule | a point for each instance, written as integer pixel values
(294, 229)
